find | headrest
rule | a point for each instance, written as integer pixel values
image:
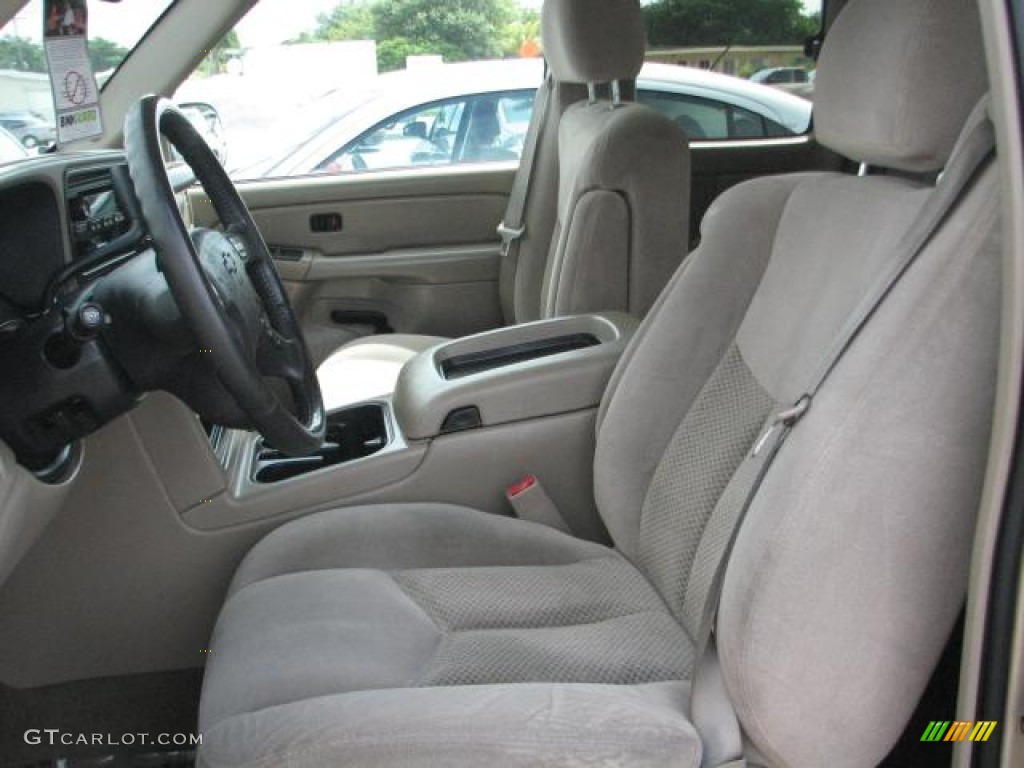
(593, 41)
(897, 79)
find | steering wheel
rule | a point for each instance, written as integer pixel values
(225, 283)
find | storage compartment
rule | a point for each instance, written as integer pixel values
(475, 362)
(510, 374)
(352, 433)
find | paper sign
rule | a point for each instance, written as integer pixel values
(75, 95)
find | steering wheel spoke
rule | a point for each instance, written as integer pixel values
(277, 355)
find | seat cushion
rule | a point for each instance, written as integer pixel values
(531, 725)
(412, 596)
(368, 367)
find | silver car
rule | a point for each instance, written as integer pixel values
(479, 111)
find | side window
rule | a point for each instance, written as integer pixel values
(514, 112)
(699, 118)
(496, 128)
(479, 128)
(745, 124)
(301, 87)
(419, 136)
(710, 120)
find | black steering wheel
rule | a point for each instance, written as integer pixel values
(225, 283)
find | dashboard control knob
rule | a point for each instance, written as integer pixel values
(87, 321)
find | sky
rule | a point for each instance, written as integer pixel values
(269, 23)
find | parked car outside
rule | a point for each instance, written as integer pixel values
(795, 80)
(205, 118)
(10, 148)
(28, 128)
(478, 112)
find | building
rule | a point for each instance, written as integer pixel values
(739, 60)
(26, 91)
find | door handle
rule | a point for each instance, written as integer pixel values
(376, 320)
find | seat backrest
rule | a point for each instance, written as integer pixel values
(614, 174)
(851, 564)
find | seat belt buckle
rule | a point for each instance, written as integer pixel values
(531, 502)
(509, 235)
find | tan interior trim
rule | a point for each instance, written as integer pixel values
(1006, 116)
(453, 264)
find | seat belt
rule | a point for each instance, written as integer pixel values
(531, 502)
(513, 225)
(712, 713)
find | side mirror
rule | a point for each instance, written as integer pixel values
(416, 129)
(207, 121)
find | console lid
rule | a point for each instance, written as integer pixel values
(510, 374)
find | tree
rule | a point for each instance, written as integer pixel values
(521, 36)
(727, 22)
(217, 59)
(458, 30)
(391, 54)
(27, 56)
(22, 54)
(346, 22)
(105, 54)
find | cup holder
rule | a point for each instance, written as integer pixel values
(351, 433)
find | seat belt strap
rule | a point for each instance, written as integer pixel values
(513, 225)
(975, 148)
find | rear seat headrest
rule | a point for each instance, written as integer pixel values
(593, 41)
(897, 79)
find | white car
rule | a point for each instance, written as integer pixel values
(206, 120)
(456, 113)
(10, 148)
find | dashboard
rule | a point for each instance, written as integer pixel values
(96, 215)
(66, 221)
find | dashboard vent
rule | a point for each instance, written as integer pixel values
(86, 179)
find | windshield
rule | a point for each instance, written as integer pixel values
(10, 148)
(113, 30)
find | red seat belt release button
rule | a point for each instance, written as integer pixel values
(516, 488)
(531, 502)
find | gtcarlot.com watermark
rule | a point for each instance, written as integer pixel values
(54, 737)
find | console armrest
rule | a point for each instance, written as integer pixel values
(521, 372)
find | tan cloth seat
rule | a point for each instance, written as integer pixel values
(607, 219)
(429, 635)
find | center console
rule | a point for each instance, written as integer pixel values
(351, 433)
(511, 374)
(467, 418)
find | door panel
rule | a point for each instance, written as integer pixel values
(419, 248)
(426, 300)
(416, 247)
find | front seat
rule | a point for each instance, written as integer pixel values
(428, 634)
(618, 188)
